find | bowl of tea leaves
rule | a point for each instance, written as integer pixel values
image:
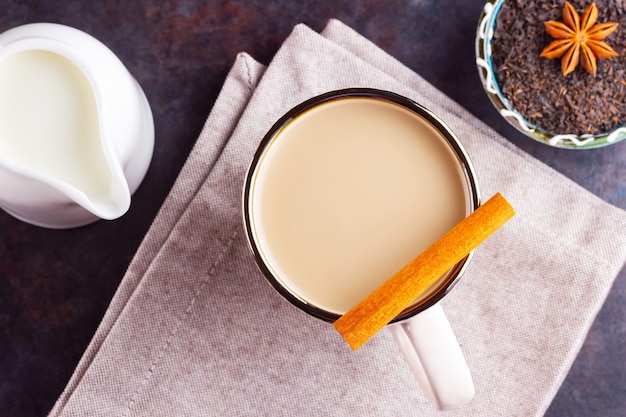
(556, 70)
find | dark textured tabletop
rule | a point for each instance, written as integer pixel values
(55, 285)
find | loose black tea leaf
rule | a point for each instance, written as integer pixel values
(578, 103)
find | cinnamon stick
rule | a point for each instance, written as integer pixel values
(394, 295)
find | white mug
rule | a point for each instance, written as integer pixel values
(343, 191)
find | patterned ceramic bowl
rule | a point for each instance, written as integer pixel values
(484, 35)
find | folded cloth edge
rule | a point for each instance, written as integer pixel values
(240, 81)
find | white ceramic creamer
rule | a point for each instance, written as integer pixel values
(76, 130)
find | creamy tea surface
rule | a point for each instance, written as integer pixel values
(348, 193)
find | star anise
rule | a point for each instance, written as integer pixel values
(578, 40)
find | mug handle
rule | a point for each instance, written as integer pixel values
(432, 351)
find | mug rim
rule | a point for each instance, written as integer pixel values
(446, 133)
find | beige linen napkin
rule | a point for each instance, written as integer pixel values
(194, 329)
